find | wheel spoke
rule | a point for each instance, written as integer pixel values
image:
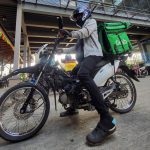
(34, 120)
(126, 95)
(14, 128)
(26, 124)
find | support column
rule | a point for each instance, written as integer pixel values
(2, 67)
(10, 68)
(147, 50)
(25, 52)
(142, 51)
(29, 58)
(17, 37)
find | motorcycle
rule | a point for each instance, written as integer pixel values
(24, 108)
(140, 70)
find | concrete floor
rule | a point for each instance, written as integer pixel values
(133, 129)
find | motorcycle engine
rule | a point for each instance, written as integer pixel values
(79, 97)
(63, 98)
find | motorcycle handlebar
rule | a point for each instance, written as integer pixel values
(60, 22)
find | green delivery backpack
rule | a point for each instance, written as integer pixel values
(113, 38)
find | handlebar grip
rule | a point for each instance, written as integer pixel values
(60, 22)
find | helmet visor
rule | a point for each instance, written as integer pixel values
(75, 17)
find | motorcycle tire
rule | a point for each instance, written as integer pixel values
(17, 137)
(133, 96)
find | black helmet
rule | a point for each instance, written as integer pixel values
(80, 15)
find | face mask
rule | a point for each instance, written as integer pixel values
(80, 23)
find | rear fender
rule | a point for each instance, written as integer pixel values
(129, 72)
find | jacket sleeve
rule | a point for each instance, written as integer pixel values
(69, 50)
(86, 31)
(72, 49)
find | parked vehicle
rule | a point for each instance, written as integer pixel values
(25, 107)
(140, 70)
(148, 67)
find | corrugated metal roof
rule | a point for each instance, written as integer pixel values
(126, 8)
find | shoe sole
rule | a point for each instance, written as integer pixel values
(89, 143)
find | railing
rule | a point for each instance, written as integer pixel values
(124, 8)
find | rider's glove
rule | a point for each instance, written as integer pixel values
(64, 32)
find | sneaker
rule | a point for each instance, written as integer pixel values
(69, 112)
(100, 133)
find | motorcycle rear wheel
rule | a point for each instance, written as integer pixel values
(16, 127)
(126, 101)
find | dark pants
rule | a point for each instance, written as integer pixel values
(84, 71)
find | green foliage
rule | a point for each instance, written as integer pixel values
(23, 77)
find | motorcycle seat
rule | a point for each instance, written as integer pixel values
(102, 63)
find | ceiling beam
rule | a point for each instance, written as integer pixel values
(40, 36)
(54, 26)
(43, 36)
(37, 47)
(39, 39)
(52, 36)
(50, 42)
(8, 2)
(133, 39)
(50, 26)
(47, 32)
(145, 37)
(138, 32)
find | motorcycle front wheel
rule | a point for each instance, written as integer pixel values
(15, 126)
(123, 98)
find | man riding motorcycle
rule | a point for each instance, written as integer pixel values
(89, 53)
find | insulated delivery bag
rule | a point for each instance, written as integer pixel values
(113, 38)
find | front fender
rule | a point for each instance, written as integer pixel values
(129, 72)
(31, 69)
